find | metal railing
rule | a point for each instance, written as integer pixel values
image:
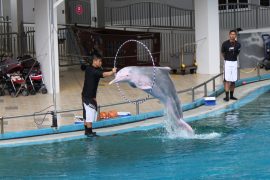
(152, 14)
(149, 14)
(136, 102)
(8, 43)
(5, 25)
(243, 15)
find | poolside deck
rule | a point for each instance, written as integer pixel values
(69, 98)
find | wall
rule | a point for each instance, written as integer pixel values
(252, 49)
(6, 8)
(29, 13)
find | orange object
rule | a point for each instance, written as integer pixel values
(103, 115)
(112, 114)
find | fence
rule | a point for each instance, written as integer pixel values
(175, 25)
(245, 16)
(137, 104)
(172, 41)
(149, 14)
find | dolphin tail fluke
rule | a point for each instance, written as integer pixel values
(186, 127)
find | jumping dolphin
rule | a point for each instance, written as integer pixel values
(156, 82)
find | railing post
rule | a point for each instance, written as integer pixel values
(238, 73)
(137, 107)
(54, 119)
(205, 89)
(257, 16)
(111, 16)
(8, 37)
(193, 94)
(150, 14)
(2, 124)
(33, 45)
(170, 15)
(98, 109)
(234, 16)
(130, 16)
(258, 70)
(214, 84)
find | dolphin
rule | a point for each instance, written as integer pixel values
(156, 81)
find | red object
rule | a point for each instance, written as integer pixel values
(36, 78)
(244, 82)
(19, 81)
(79, 9)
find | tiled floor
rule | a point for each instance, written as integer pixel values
(70, 98)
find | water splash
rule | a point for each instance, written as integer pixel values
(174, 131)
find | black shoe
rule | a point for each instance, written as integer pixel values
(226, 99)
(93, 134)
(233, 98)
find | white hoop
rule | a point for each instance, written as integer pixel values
(154, 72)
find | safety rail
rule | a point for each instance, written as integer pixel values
(136, 102)
(243, 15)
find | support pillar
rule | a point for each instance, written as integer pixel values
(207, 36)
(16, 9)
(97, 13)
(46, 43)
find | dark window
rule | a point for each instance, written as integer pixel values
(265, 2)
(232, 4)
(243, 3)
(222, 4)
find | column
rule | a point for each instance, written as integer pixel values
(46, 42)
(207, 36)
(16, 9)
(97, 13)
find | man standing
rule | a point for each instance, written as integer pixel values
(93, 73)
(230, 50)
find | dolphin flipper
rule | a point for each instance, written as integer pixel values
(132, 85)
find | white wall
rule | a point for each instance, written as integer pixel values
(29, 13)
(6, 8)
(207, 28)
(43, 46)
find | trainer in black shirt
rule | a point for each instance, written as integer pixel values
(230, 50)
(91, 80)
(93, 74)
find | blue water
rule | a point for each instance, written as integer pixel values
(240, 151)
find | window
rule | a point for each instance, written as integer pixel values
(265, 2)
(222, 4)
(233, 4)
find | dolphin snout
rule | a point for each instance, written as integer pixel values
(118, 79)
(113, 81)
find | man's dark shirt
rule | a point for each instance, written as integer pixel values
(230, 50)
(91, 80)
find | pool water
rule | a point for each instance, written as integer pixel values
(233, 145)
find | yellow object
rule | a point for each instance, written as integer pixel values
(183, 66)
